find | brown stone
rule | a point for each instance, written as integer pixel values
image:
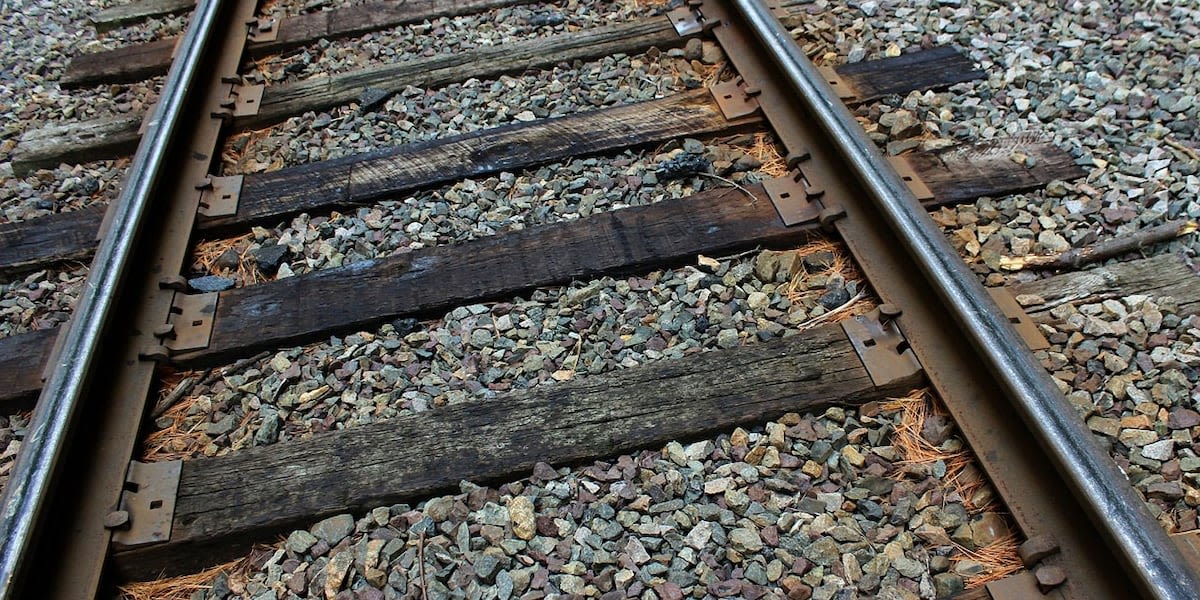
(669, 591)
(1183, 418)
(795, 588)
(988, 528)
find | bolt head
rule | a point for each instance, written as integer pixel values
(116, 519)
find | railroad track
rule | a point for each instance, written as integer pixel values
(933, 324)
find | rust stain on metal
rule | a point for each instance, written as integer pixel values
(882, 348)
(733, 99)
(1024, 325)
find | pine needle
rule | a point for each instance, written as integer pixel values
(207, 253)
(182, 587)
(799, 287)
(766, 151)
(999, 560)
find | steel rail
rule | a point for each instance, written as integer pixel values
(32, 479)
(1151, 559)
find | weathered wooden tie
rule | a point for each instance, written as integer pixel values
(224, 504)
(376, 175)
(140, 61)
(113, 137)
(27, 245)
(138, 10)
(301, 308)
(22, 358)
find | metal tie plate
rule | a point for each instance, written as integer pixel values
(261, 30)
(149, 503)
(795, 202)
(219, 196)
(243, 100)
(686, 21)
(733, 99)
(910, 176)
(845, 91)
(191, 321)
(1021, 322)
(882, 348)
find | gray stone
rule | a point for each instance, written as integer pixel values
(492, 514)
(371, 98)
(727, 338)
(947, 585)
(693, 146)
(636, 551)
(486, 566)
(439, 508)
(712, 53)
(504, 585)
(905, 125)
(1160, 450)
(268, 431)
(908, 567)
(834, 298)
(745, 540)
(571, 584)
(300, 541)
(221, 427)
(268, 258)
(229, 259)
(334, 529)
(824, 551)
(1053, 242)
(211, 283)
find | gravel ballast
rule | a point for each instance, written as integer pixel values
(808, 506)
(1115, 83)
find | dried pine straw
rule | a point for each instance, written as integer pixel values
(999, 559)
(712, 74)
(182, 587)
(171, 443)
(175, 442)
(234, 160)
(798, 289)
(207, 252)
(707, 74)
(766, 151)
(961, 473)
(245, 161)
